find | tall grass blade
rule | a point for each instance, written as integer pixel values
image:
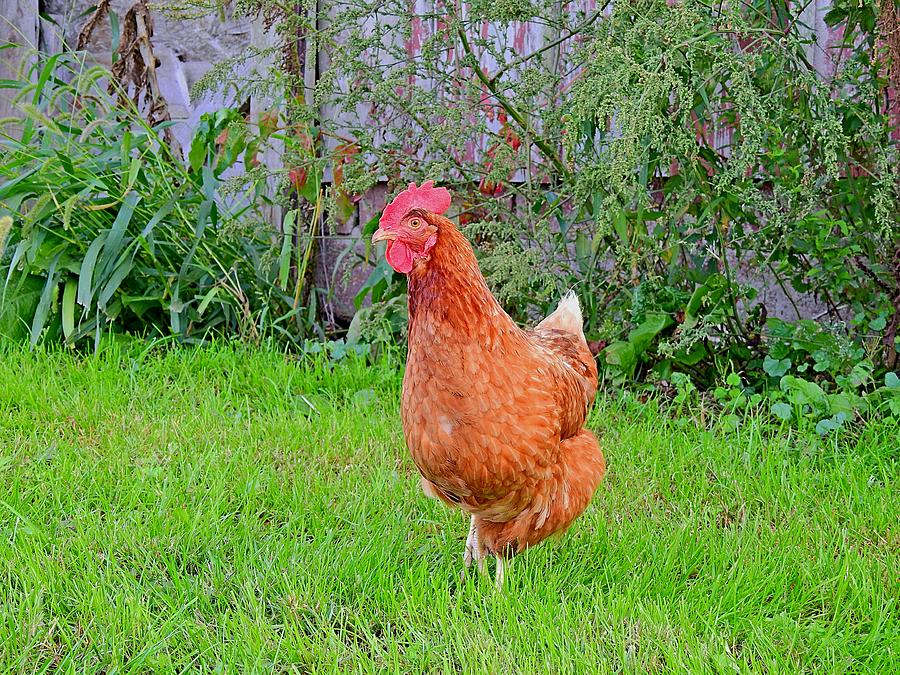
(86, 274)
(43, 308)
(112, 248)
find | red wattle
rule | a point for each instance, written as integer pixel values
(399, 257)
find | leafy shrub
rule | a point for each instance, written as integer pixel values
(111, 231)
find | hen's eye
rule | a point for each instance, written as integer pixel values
(414, 223)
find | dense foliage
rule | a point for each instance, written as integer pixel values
(658, 156)
(112, 231)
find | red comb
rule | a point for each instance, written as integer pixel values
(426, 196)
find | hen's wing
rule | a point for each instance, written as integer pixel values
(574, 373)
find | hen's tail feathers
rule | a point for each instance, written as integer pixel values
(566, 316)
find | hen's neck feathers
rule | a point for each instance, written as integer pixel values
(449, 292)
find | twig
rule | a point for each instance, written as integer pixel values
(874, 277)
(511, 110)
(550, 45)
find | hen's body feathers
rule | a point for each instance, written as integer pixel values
(493, 415)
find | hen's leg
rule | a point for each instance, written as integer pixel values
(469, 554)
(503, 566)
(474, 549)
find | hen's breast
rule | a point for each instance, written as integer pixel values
(481, 426)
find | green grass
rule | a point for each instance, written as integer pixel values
(184, 510)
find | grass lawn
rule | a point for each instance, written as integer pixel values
(226, 509)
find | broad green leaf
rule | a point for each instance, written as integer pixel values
(804, 392)
(877, 324)
(642, 336)
(776, 367)
(197, 154)
(18, 303)
(310, 189)
(582, 248)
(830, 424)
(782, 410)
(621, 226)
(692, 356)
(844, 402)
(692, 310)
(621, 354)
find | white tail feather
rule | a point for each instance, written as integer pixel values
(567, 315)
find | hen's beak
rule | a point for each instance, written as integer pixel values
(383, 235)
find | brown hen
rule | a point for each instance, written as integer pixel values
(493, 415)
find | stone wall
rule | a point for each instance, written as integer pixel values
(185, 51)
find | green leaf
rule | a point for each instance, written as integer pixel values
(370, 226)
(68, 308)
(830, 424)
(582, 248)
(115, 280)
(621, 226)
(622, 355)
(782, 410)
(861, 373)
(112, 249)
(205, 214)
(844, 402)
(18, 303)
(642, 336)
(284, 259)
(85, 276)
(197, 153)
(310, 189)
(776, 367)
(804, 392)
(133, 171)
(692, 356)
(733, 380)
(43, 307)
(208, 298)
(892, 381)
(878, 323)
(692, 310)
(116, 33)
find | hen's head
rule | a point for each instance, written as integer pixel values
(408, 226)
